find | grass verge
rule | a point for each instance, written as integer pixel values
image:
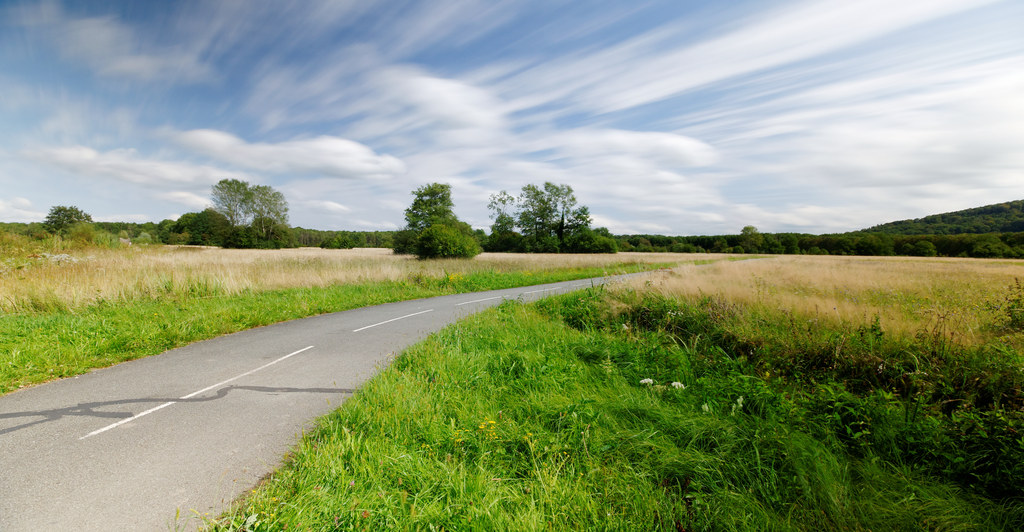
(543, 417)
(40, 346)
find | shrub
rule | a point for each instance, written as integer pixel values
(441, 241)
(587, 241)
(82, 233)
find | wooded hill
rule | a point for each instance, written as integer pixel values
(999, 218)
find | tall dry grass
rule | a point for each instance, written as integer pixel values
(908, 295)
(76, 279)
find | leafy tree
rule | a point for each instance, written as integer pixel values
(751, 239)
(233, 198)
(990, 246)
(502, 205)
(432, 205)
(206, 228)
(547, 217)
(258, 214)
(924, 248)
(61, 218)
(432, 230)
(588, 241)
(536, 216)
(269, 211)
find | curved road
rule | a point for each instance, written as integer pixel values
(150, 444)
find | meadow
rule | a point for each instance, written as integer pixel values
(35, 280)
(66, 309)
(795, 393)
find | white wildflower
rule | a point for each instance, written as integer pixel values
(648, 382)
(679, 385)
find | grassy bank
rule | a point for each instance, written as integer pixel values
(633, 411)
(57, 340)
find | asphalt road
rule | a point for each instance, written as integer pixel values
(153, 443)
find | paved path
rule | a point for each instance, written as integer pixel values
(150, 444)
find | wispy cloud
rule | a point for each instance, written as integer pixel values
(110, 48)
(323, 155)
(189, 199)
(125, 165)
(662, 63)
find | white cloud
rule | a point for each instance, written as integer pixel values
(125, 165)
(324, 155)
(444, 103)
(111, 48)
(451, 23)
(657, 65)
(663, 149)
(19, 210)
(332, 207)
(189, 199)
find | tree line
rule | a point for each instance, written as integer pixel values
(1005, 217)
(541, 218)
(989, 245)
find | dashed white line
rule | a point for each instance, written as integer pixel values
(478, 300)
(544, 290)
(191, 395)
(394, 319)
(250, 372)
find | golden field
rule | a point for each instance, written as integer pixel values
(909, 295)
(84, 277)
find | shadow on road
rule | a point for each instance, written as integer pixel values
(92, 409)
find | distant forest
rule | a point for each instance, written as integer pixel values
(1000, 218)
(993, 231)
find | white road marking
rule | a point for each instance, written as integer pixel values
(478, 300)
(394, 319)
(544, 290)
(191, 395)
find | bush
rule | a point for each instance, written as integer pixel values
(441, 241)
(504, 242)
(404, 242)
(587, 241)
(82, 233)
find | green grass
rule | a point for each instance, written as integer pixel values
(535, 417)
(57, 342)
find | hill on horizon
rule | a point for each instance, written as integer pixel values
(1005, 217)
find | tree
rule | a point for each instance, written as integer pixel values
(269, 211)
(536, 216)
(257, 214)
(432, 205)
(233, 198)
(206, 228)
(432, 230)
(751, 239)
(502, 204)
(547, 216)
(61, 218)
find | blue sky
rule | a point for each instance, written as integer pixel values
(671, 117)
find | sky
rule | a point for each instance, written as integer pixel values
(671, 117)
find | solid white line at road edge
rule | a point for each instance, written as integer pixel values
(395, 319)
(193, 394)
